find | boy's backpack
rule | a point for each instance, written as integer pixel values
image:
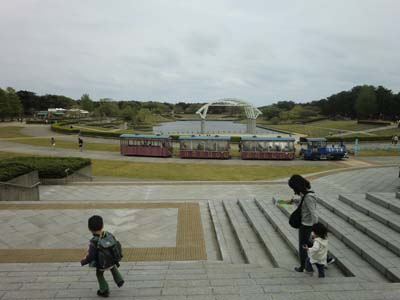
(109, 251)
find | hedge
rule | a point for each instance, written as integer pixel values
(62, 128)
(10, 170)
(39, 121)
(373, 122)
(51, 167)
(66, 129)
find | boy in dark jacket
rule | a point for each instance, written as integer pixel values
(95, 224)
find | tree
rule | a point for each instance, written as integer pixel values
(366, 104)
(4, 105)
(143, 115)
(385, 102)
(10, 105)
(271, 111)
(15, 106)
(86, 103)
(128, 114)
(107, 108)
(30, 101)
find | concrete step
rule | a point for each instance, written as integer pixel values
(226, 235)
(169, 280)
(381, 258)
(252, 249)
(222, 245)
(386, 200)
(379, 232)
(278, 217)
(275, 246)
(350, 262)
(379, 213)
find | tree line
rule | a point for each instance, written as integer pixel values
(362, 102)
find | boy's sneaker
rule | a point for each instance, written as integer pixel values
(104, 294)
(120, 284)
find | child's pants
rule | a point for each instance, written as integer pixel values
(321, 268)
(103, 285)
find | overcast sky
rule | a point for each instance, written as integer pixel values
(195, 51)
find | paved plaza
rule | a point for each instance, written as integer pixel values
(205, 240)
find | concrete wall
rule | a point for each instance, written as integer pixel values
(21, 188)
(84, 174)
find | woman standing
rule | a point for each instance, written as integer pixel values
(309, 217)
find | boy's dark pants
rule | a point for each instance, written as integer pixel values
(103, 285)
(321, 268)
(304, 239)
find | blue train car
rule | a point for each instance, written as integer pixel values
(317, 148)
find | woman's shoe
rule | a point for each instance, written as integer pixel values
(299, 269)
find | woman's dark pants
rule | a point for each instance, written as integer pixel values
(304, 239)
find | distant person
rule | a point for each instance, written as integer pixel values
(53, 143)
(104, 254)
(318, 253)
(395, 139)
(80, 143)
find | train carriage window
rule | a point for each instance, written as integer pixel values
(222, 146)
(211, 145)
(200, 145)
(130, 142)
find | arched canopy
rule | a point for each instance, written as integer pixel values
(251, 111)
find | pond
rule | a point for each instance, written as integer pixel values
(213, 127)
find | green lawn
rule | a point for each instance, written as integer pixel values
(387, 132)
(344, 125)
(390, 152)
(5, 155)
(302, 129)
(322, 128)
(44, 142)
(207, 172)
(11, 132)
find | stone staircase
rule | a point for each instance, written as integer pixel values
(257, 250)
(184, 280)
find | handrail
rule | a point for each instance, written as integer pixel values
(20, 185)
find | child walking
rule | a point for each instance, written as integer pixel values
(104, 253)
(317, 254)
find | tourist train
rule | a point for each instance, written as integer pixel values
(209, 147)
(146, 145)
(254, 147)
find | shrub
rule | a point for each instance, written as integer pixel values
(52, 167)
(374, 122)
(10, 170)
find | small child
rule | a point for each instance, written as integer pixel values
(95, 224)
(318, 253)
